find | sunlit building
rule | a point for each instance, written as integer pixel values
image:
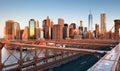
(47, 28)
(16, 31)
(32, 29)
(9, 30)
(48, 21)
(96, 30)
(41, 34)
(103, 24)
(61, 21)
(37, 23)
(76, 34)
(37, 30)
(47, 32)
(52, 23)
(57, 32)
(12, 30)
(37, 33)
(25, 33)
(72, 27)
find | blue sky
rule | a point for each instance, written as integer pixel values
(70, 10)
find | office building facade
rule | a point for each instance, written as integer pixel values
(103, 23)
(9, 30)
(32, 29)
(57, 32)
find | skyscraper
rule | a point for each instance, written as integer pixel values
(85, 33)
(12, 30)
(9, 30)
(96, 30)
(48, 21)
(65, 31)
(44, 23)
(37, 23)
(90, 22)
(81, 29)
(16, 31)
(37, 30)
(25, 33)
(57, 32)
(32, 29)
(47, 28)
(21, 33)
(103, 23)
(81, 23)
(41, 34)
(72, 27)
(61, 21)
(52, 23)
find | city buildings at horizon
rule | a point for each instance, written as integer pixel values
(72, 11)
(57, 31)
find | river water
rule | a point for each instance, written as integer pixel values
(83, 63)
(80, 64)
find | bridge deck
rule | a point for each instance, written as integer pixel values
(109, 62)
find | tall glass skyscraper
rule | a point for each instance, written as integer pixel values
(90, 22)
(16, 31)
(32, 29)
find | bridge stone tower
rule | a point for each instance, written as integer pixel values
(117, 27)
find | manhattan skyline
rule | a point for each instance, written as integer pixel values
(72, 11)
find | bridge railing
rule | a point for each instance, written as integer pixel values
(110, 62)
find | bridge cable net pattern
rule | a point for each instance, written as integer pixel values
(27, 58)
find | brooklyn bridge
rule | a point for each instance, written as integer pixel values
(39, 55)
